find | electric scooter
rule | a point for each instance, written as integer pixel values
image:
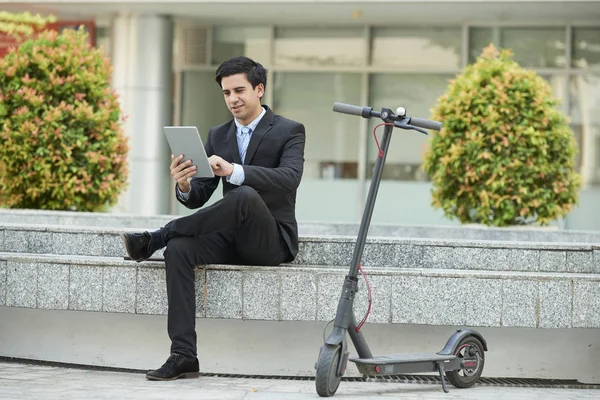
(462, 358)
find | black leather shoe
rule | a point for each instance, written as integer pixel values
(176, 367)
(138, 245)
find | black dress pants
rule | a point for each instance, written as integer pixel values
(238, 229)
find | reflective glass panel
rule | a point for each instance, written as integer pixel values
(332, 139)
(536, 47)
(586, 47)
(228, 42)
(479, 38)
(303, 47)
(417, 47)
(585, 120)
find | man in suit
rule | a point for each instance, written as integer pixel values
(259, 157)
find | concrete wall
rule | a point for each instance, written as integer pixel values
(279, 348)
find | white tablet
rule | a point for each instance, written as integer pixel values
(187, 141)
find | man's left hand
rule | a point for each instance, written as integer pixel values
(219, 166)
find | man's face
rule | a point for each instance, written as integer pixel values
(242, 100)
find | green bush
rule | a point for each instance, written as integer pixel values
(505, 154)
(63, 146)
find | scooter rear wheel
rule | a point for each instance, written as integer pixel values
(326, 379)
(470, 347)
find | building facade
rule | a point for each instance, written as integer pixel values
(377, 53)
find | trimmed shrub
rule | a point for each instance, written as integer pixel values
(505, 155)
(63, 147)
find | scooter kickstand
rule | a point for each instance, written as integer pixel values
(441, 371)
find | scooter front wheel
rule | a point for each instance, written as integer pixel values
(326, 379)
(470, 350)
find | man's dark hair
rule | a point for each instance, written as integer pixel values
(255, 73)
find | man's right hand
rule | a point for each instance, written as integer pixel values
(182, 172)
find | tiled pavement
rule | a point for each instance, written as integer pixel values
(31, 381)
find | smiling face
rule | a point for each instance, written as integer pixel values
(242, 100)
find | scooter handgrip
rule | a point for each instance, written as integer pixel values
(426, 123)
(347, 109)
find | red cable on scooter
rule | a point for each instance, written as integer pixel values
(370, 297)
(380, 154)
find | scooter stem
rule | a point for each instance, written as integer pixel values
(370, 204)
(344, 318)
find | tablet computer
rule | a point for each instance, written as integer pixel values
(187, 141)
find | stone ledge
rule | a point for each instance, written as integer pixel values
(337, 250)
(455, 231)
(305, 293)
(24, 229)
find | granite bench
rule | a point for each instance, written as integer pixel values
(433, 296)
(72, 283)
(328, 250)
(470, 232)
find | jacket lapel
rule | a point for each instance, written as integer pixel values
(233, 144)
(261, 130)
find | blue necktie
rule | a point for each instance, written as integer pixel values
(244, 142)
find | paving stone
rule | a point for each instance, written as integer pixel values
(53, 286)
(556, 302)
(298, 296)
(428, 300)
(520, 303)
(261, 294)
(151, 291)
(85, 288)
(586, 304)
(224, 294)
(21, 284)
(553, 261)
(16, 241)
(73, 243)
(118, 289)
(581, 261)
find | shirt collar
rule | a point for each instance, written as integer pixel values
(252, 125)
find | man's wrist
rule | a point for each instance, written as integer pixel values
(237, 176)
(182, 190)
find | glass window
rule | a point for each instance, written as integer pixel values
(228, 42)
(418, 94)
(417, 47)
(202, 102)
(586, 47)
(536, 47)
(301, 47)
(479, 38)
(585, 120)
(558, 83)
(102, 36)
(332, 139)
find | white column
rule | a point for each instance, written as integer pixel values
(142, 76)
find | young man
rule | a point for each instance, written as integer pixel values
(259, 156)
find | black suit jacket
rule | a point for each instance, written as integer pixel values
(273, 167)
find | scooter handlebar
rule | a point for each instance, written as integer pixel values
(368, 112)
(426, 123)
(348, 109)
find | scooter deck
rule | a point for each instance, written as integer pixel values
(404, 358)
(407, 363)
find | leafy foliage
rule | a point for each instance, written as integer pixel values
(21, 25)
(505, 154)
(62, 143)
